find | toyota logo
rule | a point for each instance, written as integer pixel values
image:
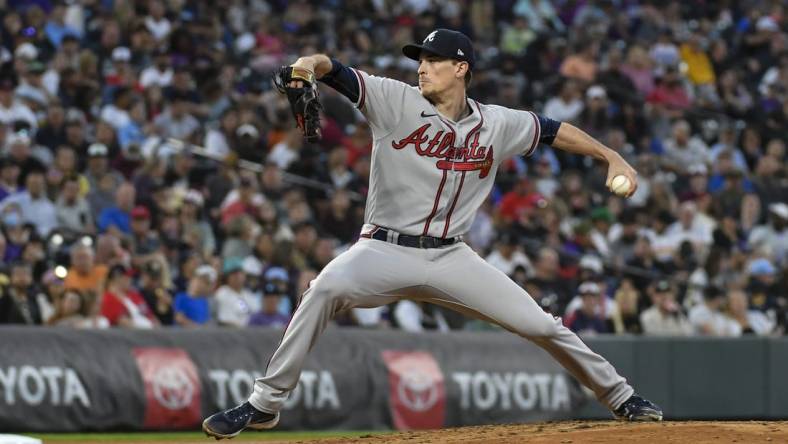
(417, 391)
(172, 387)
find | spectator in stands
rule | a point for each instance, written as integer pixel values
(589, 318)
(235, 303)
(117, 218)
(192, 307)
(665, 317)
(269, 315)
(122, 305)
(85, 274)
(772, 238)
(625, 317)
(73, 310)
(72, 210)
(16, 235)
(547, 286)
(567, 105)
(34, 204)
(144, 240)
(153, 288)
(750, 321)
(582, 65)
(9, 177)
(506, 256)
(18, 302)
(96, 103)
(764, 290)
(683, 150)
(414, 316)
(708, 318)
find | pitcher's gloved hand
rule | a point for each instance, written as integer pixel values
(299, 86)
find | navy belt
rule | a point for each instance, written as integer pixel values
(406, 240)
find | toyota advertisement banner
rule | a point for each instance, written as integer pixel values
(67, 380)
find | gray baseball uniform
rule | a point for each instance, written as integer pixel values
(428, 177)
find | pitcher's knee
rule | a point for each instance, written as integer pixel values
(544, 327)
(328, 287)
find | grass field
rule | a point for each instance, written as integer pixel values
(176, 437)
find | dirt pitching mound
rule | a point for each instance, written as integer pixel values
(581, 432)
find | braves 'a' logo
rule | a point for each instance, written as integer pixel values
(471, 157)
(430, 37)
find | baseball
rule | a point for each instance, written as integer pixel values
(621, 185)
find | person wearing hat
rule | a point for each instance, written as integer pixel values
(588, 319)
(98, 168)
(145, 242)
(270, 316)
(765, 289)
(435, 157)
(19, 148)
(32, 89)
(664, 317)
(192, 307)
(235, 303)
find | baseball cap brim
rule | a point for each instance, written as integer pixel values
(414, 52)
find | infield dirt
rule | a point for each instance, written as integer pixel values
(566, 432)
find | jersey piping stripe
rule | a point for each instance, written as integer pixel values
(435, 205)
(440, 187)
(462, 179)
(453, 204)
(537, 134)
(363, 94)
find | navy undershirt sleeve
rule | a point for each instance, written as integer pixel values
(549, 129)
(342, 79)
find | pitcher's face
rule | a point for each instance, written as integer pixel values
(439, 74)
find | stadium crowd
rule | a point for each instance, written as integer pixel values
(108, 222)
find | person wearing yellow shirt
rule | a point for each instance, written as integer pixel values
(699, 68)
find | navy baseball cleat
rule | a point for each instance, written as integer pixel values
(637, 408)
(229, 423)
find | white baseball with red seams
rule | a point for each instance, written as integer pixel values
(428, 177)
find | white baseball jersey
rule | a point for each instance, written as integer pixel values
(429, 174)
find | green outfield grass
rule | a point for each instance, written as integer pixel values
(194, 436)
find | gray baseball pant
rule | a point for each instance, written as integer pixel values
(373, 273)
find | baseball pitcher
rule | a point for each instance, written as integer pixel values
(435, 156)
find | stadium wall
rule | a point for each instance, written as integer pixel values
(70, 380)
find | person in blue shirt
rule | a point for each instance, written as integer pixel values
(193, 307)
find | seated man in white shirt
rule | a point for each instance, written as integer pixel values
(707, 319)
(506, 256)
(235, 303)
(664, 317)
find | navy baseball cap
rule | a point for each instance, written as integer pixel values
(445, 43)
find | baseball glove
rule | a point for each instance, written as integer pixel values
(304, 101)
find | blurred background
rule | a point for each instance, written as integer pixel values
(97, 207)
(110, 220)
